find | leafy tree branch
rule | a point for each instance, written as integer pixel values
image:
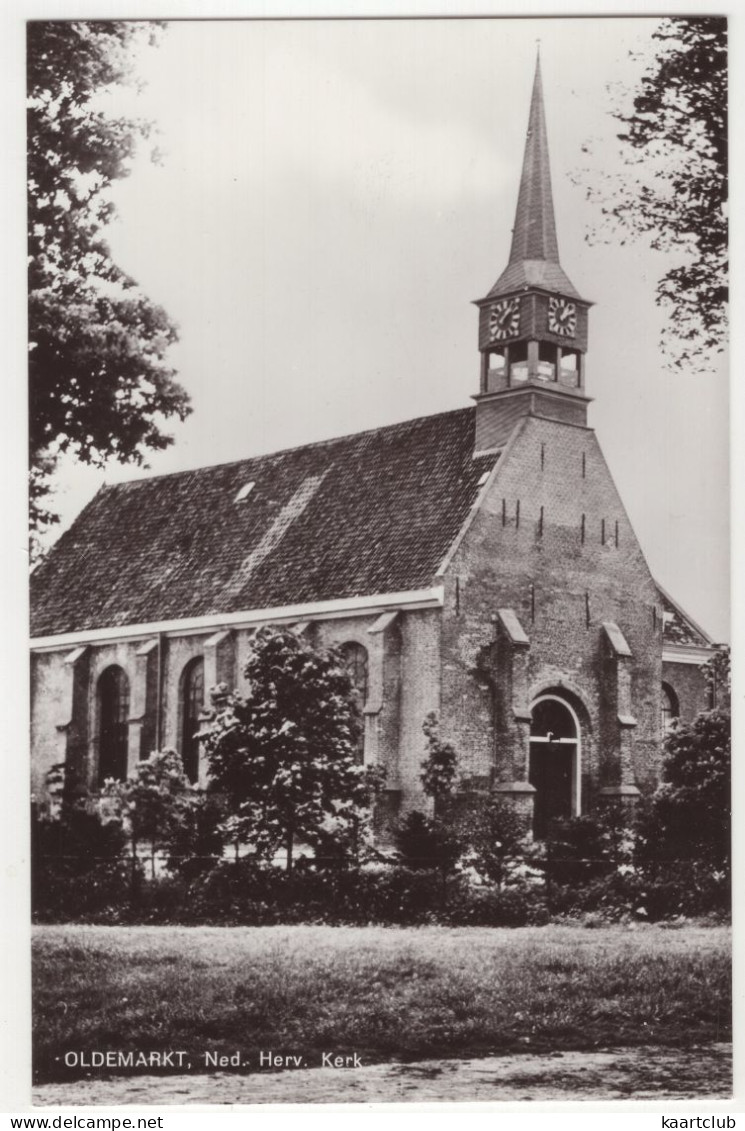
(99, 383)
(674, 189)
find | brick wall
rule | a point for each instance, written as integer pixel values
(553, 542)
(403, 676)
(689, 684)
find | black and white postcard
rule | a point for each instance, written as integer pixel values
(379, 600)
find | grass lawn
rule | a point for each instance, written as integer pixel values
(384, 993)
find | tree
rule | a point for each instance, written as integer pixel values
(690, 816)
(433, 841)
(284, 755)
(154, 801)
(718, 674)
(675, 141)
(693, 804)
(99, 386)
(497, 836)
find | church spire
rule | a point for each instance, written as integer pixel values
(534, 255)
(532, 323)
(534, 234)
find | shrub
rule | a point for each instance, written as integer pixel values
(690, 814)
(496, 838)
(426, 842)
(582, 849)
(153, 802)
(197, 842)
(519, 905)
(77, 867)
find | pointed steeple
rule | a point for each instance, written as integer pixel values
(534, 255)
(534, 234)
(532, 323)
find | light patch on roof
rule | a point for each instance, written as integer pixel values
(244, 492)
(484, 478)
(274, 535)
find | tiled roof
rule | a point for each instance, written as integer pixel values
(678, 628)
(533, 273)
(370, 513)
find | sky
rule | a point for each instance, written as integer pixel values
(331, 197)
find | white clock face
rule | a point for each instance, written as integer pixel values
(504, 319)
(562, 317)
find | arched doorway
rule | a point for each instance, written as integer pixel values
(113, 724)
(554, 762)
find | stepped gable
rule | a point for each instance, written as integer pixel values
(369, 513)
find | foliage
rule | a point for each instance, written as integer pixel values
(154, 801)
(284, 755)
(717, 672)
(439, 768)
(675, 142)
(496, 836)
(426, 842)
(70, 824)
(690, 814)
(197, 841)
(99, 384)
(581, 849)
(77, 867)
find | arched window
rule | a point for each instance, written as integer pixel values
(670, 708)
(113, 730)
(192, 703)
(355, 661)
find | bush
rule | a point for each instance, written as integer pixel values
(425, 842)
(61, 892)
(496, 837)
(517, 905)
(250, 893)
(196, 844)
(580, 850)
(77, 867)
(690, 814)
(686, 888)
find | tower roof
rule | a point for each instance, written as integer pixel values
(534, 255)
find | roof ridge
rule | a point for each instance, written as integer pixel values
(288, 451)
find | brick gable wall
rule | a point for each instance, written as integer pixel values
(525, 551)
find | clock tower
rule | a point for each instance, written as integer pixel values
(532, 323)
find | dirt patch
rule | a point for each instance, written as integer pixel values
(646, 1073)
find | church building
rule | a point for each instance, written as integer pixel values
(477, 563)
